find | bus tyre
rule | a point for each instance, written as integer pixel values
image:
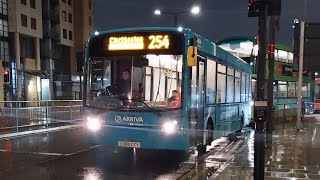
(209, 131)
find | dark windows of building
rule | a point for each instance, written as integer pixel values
(64, 1)
(70, 35)
(4, 51)
(33, 23)
(27, 47)
(70, 18)
(3, 28)
(70, 2)
(90, 21)
(4, 7)
(24, 2)
(64, 15)
(24, 20)
(33, 4)
(90, 4)
(65, 34)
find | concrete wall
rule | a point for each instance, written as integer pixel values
(65, 24)
(16, 9)
(82, 27)
(31, 81)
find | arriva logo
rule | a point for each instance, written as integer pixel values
(128, 119)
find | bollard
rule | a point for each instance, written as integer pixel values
(71, 111)
(17, 117)
(46, 111)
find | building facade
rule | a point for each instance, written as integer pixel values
(39, 44)
(4, 50)
(66, 38)
(85, 23)
(25, 32)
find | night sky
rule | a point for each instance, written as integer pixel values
(218, 19)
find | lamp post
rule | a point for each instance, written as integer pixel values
(194, 11)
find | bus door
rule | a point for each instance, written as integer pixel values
(197, 102)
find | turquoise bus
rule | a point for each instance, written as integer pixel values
(132, 77)
(285, 79)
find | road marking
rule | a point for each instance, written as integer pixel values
(27, 152)
(26, 133)
(48, 153)
(69, 154)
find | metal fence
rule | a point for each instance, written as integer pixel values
(17, 114)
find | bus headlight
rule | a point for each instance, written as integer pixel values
(169, 127)
(93, 123)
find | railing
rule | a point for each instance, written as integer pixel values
(17, 114)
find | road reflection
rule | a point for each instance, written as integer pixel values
(103, 163)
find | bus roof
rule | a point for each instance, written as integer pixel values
(139, 29)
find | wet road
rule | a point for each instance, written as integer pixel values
(65, 155)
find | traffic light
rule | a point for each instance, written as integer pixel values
(253, 8)
(274, 8)
(256, 6)
(6, 76)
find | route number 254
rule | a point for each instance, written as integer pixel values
(159, 42)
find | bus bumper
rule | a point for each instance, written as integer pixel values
(138, 137)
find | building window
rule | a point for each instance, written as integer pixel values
(4, 7)
(90, 4)
(64, 15)
(70, 2)
(65, 34)
(24, 2)
(24, 20)
(33, 23)
(70, 18)
(3, 28)
(90, 21)
(33, 4)
(70, 35)
(4, 51)
(283, 89)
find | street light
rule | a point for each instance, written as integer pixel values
(194, 11)
(157, 12)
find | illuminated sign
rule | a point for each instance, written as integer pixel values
(159, 42)
(126, 43)
(138, 42)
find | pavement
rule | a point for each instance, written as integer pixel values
(292, 155)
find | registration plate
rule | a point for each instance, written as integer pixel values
(129, 144)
